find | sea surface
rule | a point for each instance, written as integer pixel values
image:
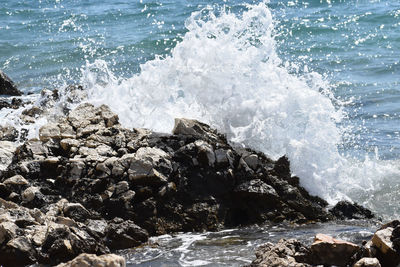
(317, 80)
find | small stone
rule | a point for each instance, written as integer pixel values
(16, 180)
(29, 193)
(252, 161)
(76, 211)
(92, 260)
(367, 262)
(8, 230)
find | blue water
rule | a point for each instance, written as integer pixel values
(242, 73)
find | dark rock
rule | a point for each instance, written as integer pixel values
(125, 234)
(7, 86)
(346, 210)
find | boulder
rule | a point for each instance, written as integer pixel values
(367, 262)
(285, 253)
(7, 86)
(92, 260)
(386, 253)
(125, 234)
(196, 129)
(329, 251)
(345, 210)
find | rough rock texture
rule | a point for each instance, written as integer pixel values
(7, 86)
(91, 260)
(7, 150)
(88, 185)
(285, 253)
(329, 251)
(385, 240)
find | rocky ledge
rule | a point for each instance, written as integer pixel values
(383, 250)
(88, 185)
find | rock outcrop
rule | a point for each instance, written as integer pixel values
(88, 185)
(7, 86)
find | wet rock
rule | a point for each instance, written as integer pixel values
(346, 210)
(285, 253)
(91, 260)
(367, 262)
(257, 189)
(329, 251)
(8, 133)
(125, 234)
(7, 86)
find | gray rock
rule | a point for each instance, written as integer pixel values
(76, 211)
(7, 86)
(125, 234)
(387, 255)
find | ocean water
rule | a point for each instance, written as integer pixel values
(317, 80)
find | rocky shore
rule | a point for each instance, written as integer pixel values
(89, 185)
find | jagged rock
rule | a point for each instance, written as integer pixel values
(125, 234)
(16, 180)
(367, 262)
(8, 133)
(329, 251)
(386, 253)
(17, 252)
(49, 131)
(7, 150)
(196, 129)
(7, 86)
(91, 260)
(76, 211)
(346, 210)
(8, 230)
(285, 253)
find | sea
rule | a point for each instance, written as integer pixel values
(316, 80)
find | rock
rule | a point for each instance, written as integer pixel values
(49, 131)
(16, 180)
(8, 133)
(7, 150)
(346, 210)
(30, 193)
(196, 129)
(76, 211)
(329, 251)
(125, 234)
(386, 253)
(367, 262)
(285, 253)
(7, 86)
(8, 230)
(17, 252)
(91, 260)
(257, 189)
